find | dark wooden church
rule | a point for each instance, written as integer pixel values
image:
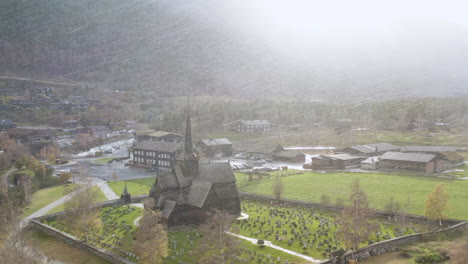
(187, 193)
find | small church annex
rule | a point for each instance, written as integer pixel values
(191, 189)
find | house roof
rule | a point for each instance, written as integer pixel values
(378, 147)
(413, 157)
(216, 141)
(158, 146)
(428, 149)
(343, 156)
(255, 122)
(257, 147)
(452, 156)
(287, 154)
(159, 133)
(6, 122)
(168, 207)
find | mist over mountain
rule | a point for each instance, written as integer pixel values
(237, 48)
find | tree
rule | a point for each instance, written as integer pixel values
(354, 223)
(115, 177)
(65, 176)
(151, 236)
(278, 188)
(15, 246)
(81, 218)
(216, 246)
(437, 204)
(392, 207)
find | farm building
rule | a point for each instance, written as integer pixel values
(428, 149)
(249, 126)
(408, 161)
(336, 162)
(289, 156)
(257, 150)
(156, 154)
(6, 124)
(151, 135)
(371, 163)
(370, 150)
(215, 147)
(448, 160)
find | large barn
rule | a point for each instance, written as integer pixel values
(187, 193)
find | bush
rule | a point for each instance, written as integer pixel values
(430, 258)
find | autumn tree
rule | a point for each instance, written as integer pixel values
(437, 204)
(354, 224)
(151, 236)
(278, 188)
(81, 218)
(65, 176)
(15, 246)
(392, 207)
(216, 246)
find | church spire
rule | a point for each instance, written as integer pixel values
(188, 147)
(190, 159)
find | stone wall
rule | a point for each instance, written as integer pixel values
(36, 223)
(413, 218)
(75, 242)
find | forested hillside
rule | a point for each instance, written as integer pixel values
(170, 46)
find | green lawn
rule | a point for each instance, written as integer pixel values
(44, 197)
(134, 187)
(63, 253)
(379, 188)
(101, 198)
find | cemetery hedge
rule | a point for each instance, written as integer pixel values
(379, 187)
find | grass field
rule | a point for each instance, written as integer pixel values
(44, 197)
(63, 253)
(134, 187)
(101, 198)
(310, 186)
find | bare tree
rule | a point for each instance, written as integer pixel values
(278, 188)
(14, 241)
(215, 245)
(354, 223)
(151, 236)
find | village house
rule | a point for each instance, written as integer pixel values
(152, 135)
(71, 123)
(289, 156)
(6, 124)
(191, 189)
(257, 150)
(250, 126)
(155, 154)
(371, 163)
(448, 160)
(428, 149)
(370, 150)
(215, 147)
(408, 161)
(336, 161)
(28, 136)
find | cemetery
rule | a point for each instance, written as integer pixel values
(307, 231)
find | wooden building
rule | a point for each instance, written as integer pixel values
(156, 154)
(336, 162)
(408, 161)
(448, 160)
(6, 124)
(187, 193)
(215, 147)
(255, 150)
(289, 156)
(370, 150)
(428, 149)
(249, 126)
(151, 135)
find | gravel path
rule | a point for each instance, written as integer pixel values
(269, 244)
(108, 192)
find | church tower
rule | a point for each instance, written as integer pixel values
(190, 160)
